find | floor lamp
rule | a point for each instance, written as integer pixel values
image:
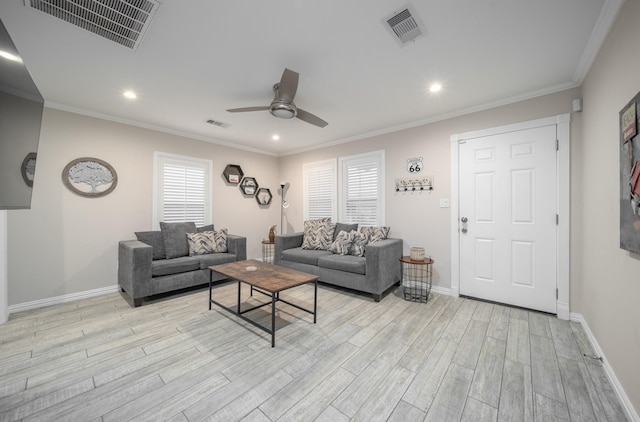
(283, 206)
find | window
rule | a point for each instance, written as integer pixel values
(362, 189)
(319, 187)
(182, 189)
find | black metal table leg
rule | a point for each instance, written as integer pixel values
(273, 320)
(238, 312)
(210, 286)
(315, 300)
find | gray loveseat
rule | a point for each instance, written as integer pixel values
(159, 262)
(374, 273)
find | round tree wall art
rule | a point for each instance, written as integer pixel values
(89, 177)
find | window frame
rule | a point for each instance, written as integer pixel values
(324, 165)
(159, 161)
(377, 157)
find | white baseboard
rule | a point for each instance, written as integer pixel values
(61, 299)
(444, 291)
(622, 395)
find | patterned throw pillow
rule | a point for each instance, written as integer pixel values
(360, 240)
(342, 244)
(200, 243)
(318, 234)
(207, 242)
(375, 233)
(220, 241)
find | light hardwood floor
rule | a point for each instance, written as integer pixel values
(451, 359)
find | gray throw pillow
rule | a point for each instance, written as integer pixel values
(155, 240)
(175, 238)
(207, 228)
(346, 227)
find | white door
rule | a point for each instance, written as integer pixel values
(508, 224)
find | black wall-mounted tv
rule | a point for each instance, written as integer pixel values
(21, 107)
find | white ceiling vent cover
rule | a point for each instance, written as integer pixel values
(405, 25)
(121, 21)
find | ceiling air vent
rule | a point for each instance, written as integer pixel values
(405, 25)
(217, 123)
(121, 21)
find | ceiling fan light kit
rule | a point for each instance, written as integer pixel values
(282, 105)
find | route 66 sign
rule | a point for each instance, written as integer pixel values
(414, 165)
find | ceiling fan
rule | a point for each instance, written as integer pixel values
(282, 105)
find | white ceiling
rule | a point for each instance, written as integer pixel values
(201, 57)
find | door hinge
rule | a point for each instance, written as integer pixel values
(557, 219)
(462, 141)
(557, 145)
(557, 294)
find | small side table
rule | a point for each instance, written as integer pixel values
(416, 278)
(267, 251)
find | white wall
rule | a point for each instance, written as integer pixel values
(609, 277)
(416, 217)
(68, 244)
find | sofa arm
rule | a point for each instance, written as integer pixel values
(382, 263)
(284, 242)
(134, 268)
(237, 245)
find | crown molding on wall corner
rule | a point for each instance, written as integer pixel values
(631, 412)
(63, 107)
(601, 29)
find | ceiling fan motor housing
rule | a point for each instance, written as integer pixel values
(283, 110)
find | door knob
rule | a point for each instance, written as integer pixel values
(464, 219)
(464, 224)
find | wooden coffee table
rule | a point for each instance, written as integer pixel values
(267, 279)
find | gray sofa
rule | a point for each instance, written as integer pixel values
(374, 273)
(159, 262)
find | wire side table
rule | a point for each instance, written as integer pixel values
(416, 278)
(267, 251)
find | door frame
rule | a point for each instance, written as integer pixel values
(563, 191)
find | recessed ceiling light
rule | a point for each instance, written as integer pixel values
(10, 56)
(276, 137)
(435, 87)
(130, 95)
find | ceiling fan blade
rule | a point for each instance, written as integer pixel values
(243, 109)
(310, 118)
(288, 85)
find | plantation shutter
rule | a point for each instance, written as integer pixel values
(319, 186)
(183, 190)
(362, 189)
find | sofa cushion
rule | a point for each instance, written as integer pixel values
(215, 259)
(207, 228)
(375, 233)
(303, 256)
(342, 244)
(174, 266)
(155, 240)
(346, 227)
(360, 240)
(318, 234)
(175, 238)
(346, 263)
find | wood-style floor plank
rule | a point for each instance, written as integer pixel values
(451, 359)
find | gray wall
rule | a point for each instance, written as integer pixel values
(68, 244)
(608, 278)
(416, 217)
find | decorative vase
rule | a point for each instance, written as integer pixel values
(272, 234)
